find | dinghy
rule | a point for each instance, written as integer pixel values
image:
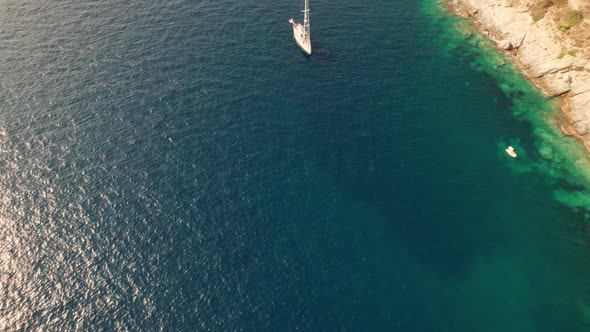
(511, 152)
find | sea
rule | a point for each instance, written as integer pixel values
(181, 165)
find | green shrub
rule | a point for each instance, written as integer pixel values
(570, 18)
(574, 16)
(573, 52)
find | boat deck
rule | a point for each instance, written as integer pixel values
(302, 38)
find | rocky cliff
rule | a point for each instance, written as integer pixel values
(553, 54)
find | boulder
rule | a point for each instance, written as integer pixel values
(504, 44)
(557, 84)
(582, 128)
(566, 130)
(546, 152)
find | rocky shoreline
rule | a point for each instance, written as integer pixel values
(555, 62)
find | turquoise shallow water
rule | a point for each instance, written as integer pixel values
(183, 166)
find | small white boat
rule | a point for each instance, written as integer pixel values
(301, 32)
(511, 152)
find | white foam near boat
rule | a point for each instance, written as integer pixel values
(301, 32)
(511, 152)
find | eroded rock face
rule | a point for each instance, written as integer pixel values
(504, 44)
(579, 114)
(557, 85)
(565, 130)
(540, 50)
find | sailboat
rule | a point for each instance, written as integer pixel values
(301, 31)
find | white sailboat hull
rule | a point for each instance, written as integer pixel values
(302, 38)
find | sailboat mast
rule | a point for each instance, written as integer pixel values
(306, 17)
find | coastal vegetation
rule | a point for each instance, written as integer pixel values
(569, 18)
(572, 52)
(565, 16)
(539, 9)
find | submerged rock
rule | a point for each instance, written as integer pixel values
(546, 152)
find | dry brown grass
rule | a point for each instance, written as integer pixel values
(539, 9)
(568, 18)
(572, 23)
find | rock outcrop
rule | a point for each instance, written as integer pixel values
(540, 50)
(504, 44)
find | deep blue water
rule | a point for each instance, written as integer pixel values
(181, 165)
